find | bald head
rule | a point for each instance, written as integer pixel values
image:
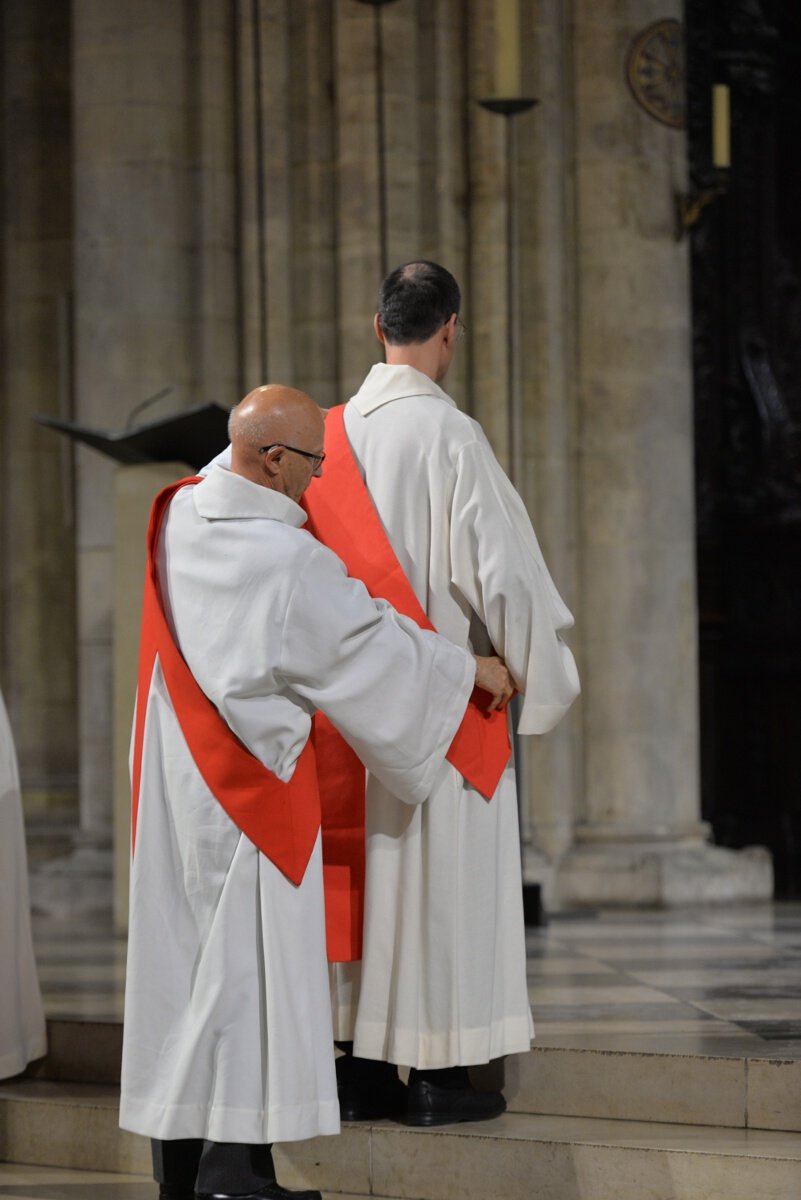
(289, 422)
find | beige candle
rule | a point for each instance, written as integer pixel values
(721, 127)
(507, 49)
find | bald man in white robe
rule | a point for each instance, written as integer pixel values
(228, 1037)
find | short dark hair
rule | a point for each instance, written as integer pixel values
(415, 300)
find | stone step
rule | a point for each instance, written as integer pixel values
(514, 1158)
(80, 1052)
(691, 1089)
(17, 1182)
(74, 1125)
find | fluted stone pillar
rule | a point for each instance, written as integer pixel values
(639, 838)
(287, 186)
(521, 350)
(487, 285)
(316, 365)
(37, 609)
(425, 159)
(359, 234)
(547, 458)
(155, 280)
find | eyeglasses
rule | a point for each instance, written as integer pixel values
(317, 459)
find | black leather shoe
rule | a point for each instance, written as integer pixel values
(270, 1191)
(369, 1090)
(168, 1191)
(432, 1105)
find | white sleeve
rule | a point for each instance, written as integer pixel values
(395, 692)
(498, 567)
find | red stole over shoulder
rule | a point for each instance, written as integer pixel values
(281, 819)
(342, 515)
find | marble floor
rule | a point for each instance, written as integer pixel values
(714, 982)
(717, 982)
(81, 967)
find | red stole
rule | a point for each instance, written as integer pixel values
(342, 516)
(281, 819)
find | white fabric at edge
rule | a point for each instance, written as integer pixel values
(22, 1024)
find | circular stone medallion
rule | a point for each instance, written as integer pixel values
(655, 72)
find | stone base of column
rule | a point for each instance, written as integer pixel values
(538, 885)
(662, 875)
(77, 884)
(538, 870)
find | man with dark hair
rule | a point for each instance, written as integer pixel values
(442, 981)
(415, 301)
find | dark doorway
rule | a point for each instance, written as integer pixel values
(746, 284)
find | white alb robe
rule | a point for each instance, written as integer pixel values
(227, 1017)
(22, 1022)
(442, 980)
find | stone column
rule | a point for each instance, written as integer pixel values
(521, 226)
(426, 112)
(446, 108)
(547, 296)
(359, 249)
(314, 218)
(489, 315)
(639, 838)
(37, 591)
(249, 84)
(155, 244)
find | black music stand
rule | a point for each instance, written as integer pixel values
(193, 436)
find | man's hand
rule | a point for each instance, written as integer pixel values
(493, 677)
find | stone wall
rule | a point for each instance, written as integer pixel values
(243, 175)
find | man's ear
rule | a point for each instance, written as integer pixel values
(379, 332)
(272, 460)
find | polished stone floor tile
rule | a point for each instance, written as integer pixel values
(81, 981)
(101, 975)
(751, 1008)
(774, 1031)
(588, 1013)
(718, 976)
(625, 993)
(737, 991)
(611, 980)
(558, 965)
(672, 952)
